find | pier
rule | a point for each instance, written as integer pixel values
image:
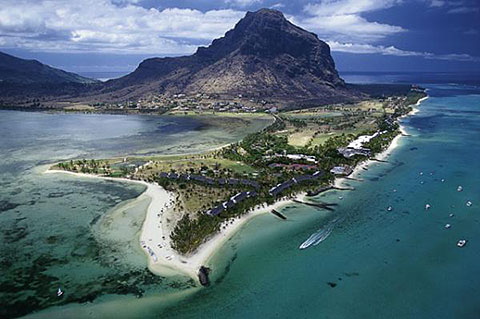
(319, 190)
(378, 160)
(317, 205)
(350, 188)
(278, 214)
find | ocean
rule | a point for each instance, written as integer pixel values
(371, 263)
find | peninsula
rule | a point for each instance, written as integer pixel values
(264, 67)
(199, 200)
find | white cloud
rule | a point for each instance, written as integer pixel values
(437, 3)
(341, 7)
(100, 25)
(463, 10)
(243, 3)
(391, 50)
(342, 20)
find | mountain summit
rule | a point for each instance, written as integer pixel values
(264, 55)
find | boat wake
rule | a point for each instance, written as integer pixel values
(319, 236)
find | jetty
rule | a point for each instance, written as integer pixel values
(378, 160)
(278, 214)
(326, 206)
(319, 190)
(349, 188)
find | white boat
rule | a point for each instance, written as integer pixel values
(469, 203)
(447, 226)
(59, 292)
(389, 208)
(451, 215)
(461, 242)
(427, 206)
(443, 180)
(459, 188)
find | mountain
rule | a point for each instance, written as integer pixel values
(263, 56)
(14, 70)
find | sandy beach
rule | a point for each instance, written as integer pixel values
(155, 241)
(386, 153)
(163, 260)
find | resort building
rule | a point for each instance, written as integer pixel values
(341, 170)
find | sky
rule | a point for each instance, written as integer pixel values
(364, 35)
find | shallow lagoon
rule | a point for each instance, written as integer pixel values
(76, 233)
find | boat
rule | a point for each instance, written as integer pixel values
(459, 188)
(59, 292)
(451, 215)
(461, 243)
(427, 206)
(443, 180)
(447, 226)
(389, 208)
(469, 203)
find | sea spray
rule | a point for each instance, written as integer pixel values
(320, 235)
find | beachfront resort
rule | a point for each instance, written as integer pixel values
(207, 196)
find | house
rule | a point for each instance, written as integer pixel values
(348, 152)
(341, 170)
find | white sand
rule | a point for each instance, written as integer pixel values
(155, 241)
(386, 153)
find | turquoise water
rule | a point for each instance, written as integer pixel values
(81, 234)
(375, 263)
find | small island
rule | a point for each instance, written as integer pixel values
(199, 200)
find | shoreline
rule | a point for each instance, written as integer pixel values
(385, 153)
(155, 241)
(162, 259)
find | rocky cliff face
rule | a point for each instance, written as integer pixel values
(264, 56)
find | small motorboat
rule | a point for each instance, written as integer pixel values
(447, 226)
(427, 207)
(421, 173)
(469, 203)
(389, 208)
(443, 180)
(340, 197)
(461, 243)
(459, 188)
(59, 292)
(451, 215)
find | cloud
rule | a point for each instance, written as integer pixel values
(463, 10)
(341, 20)
(437, 3)
(104, 26)
(243, 3)
(391, 50)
